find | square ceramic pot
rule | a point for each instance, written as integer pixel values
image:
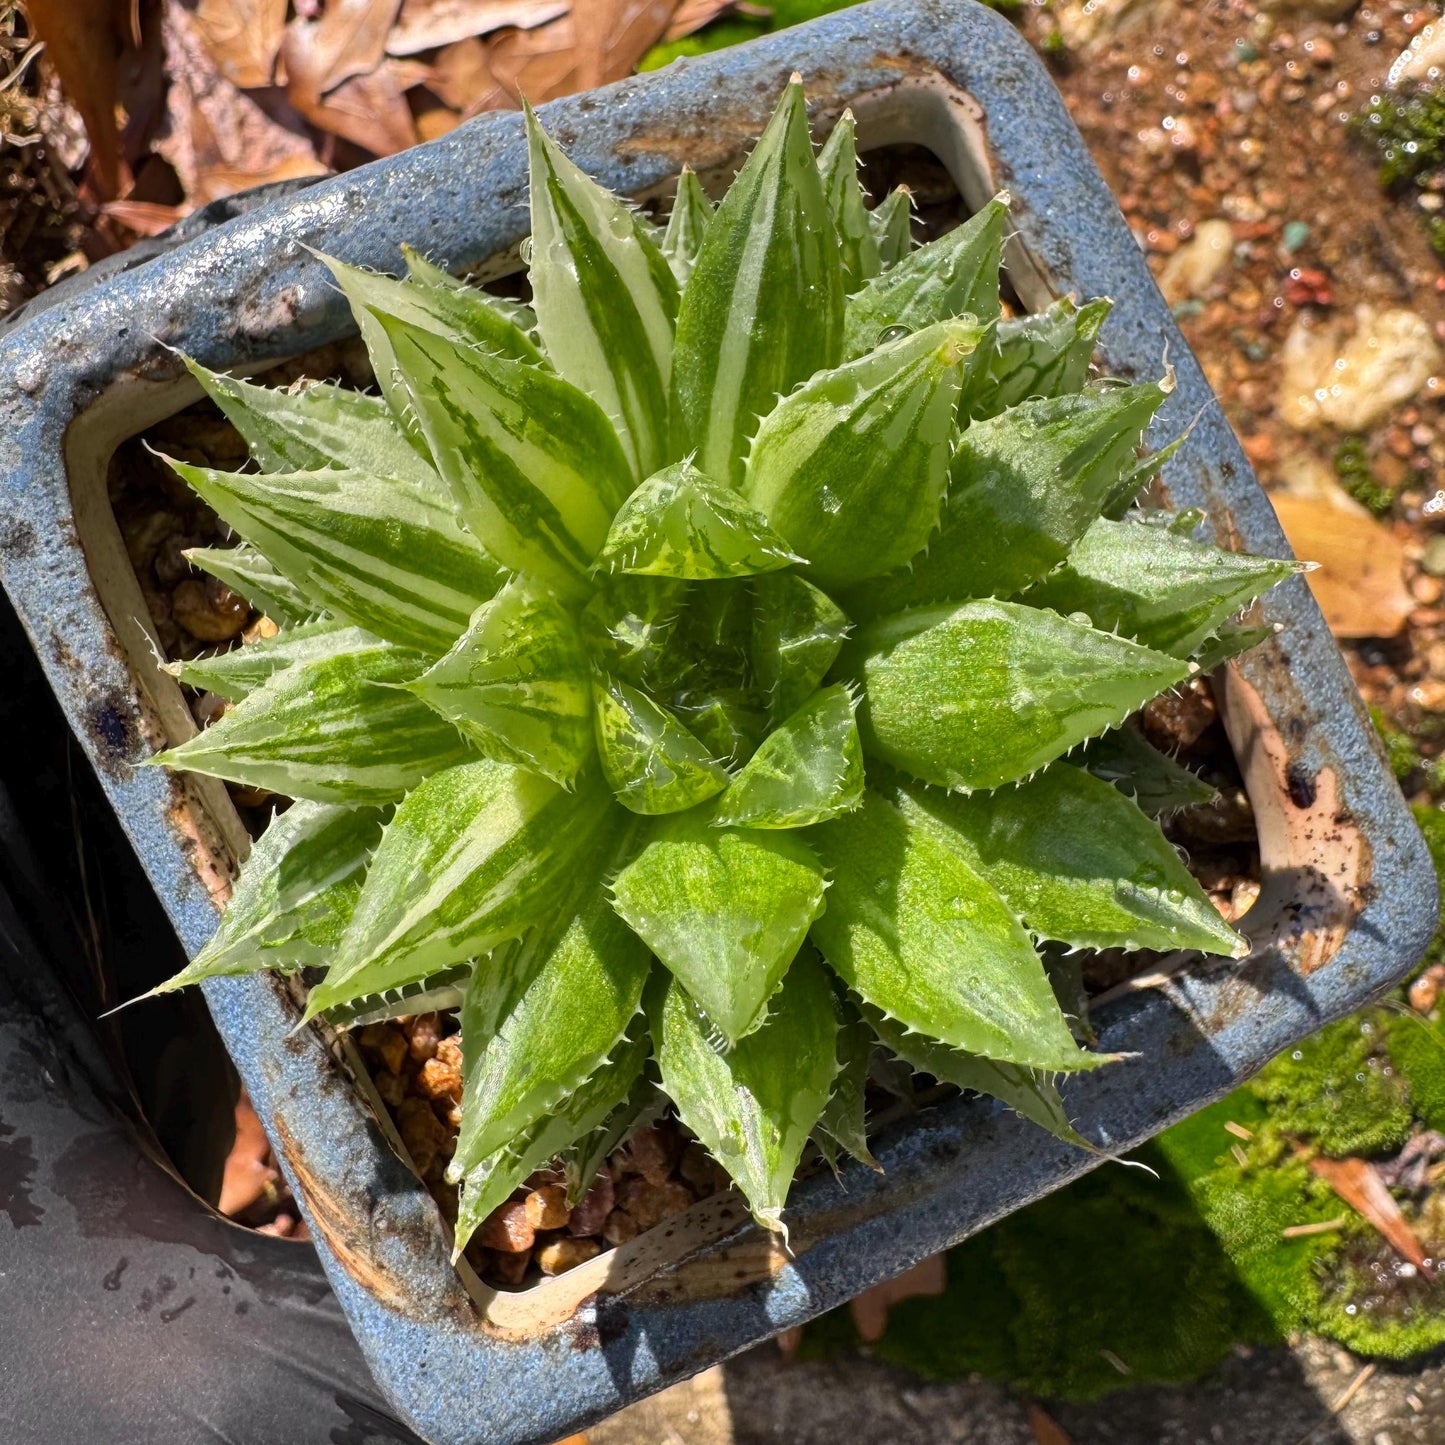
(1348, 900)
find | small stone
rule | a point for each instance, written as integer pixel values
(650, 1203)
(208, 707)
(208, 609)
(386, 1041)
(1425, 589)
(422, 1035)
(425, 1136)
(510, 1269)
(1295, 234)
(391, 1087)
(1432, 560)
(593, 1208)
(1194, 267)
(557, 1256)
(507, 1229)
(620, 1227)
(547, 1207)
(651, 1153)
(1423, 61)
(441, 1076)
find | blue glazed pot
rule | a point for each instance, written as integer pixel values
(1348, 900)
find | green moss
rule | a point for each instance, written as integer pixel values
(1352, 467)
(1408, 134)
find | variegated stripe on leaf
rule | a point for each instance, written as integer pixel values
(472, 859)
(1155, 586)
(518, 683)
(1078, 861)
(936, 947)
(782, 573)
(605, 298)
(317, 426)
(1026, 1091)
(246, 572)
(681, 523)
(375, 551)
(725, 909)
(534, 464)
(687, 224)
(986, 693)
(337, 730)
(807, 770)
(293, 899)
(763, 309)
(490, 1181)
(754, 1105)
(956, 275)
(239, 672)
(857, 240)
(855, 461)
(545, 1013)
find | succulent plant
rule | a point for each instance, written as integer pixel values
(691, 674)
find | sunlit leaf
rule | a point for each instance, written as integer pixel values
(915, 931)
(797, 634)
(605, 299)
(242, 670)
(724, 908)
(808, 769)
(681, 523)
(857, 241)
(686, 225)
(652, 763)
(956, 275)
(988, 692)
(518, 683)
(377, 551)
(436, 993)
(754, 1105)
(763, 309)
(628, 625)
(892, 222)
(463, 301)
(246, 572)
(728, 722)
(851, 467)
(1043, 355)
(326, 730)
(473, 858)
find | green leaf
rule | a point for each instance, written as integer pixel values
(956, 275)
(1231, 640)
(318, 426)
(473, 858)
(892, 222)
(605, 299)
(644, 1105)
(534, 465)
(687, 224)
(915, 931)
(857, 243)
(422, 273)
(377, 551)
(325, 730)
(652, 763)
(241, 670)
(797, 634)
(1043, 355)
(491, 1181)
(1025, 1091)
(437, 309)
(681, 523)
(1079, 862)
(629, 623)
(844, 1120)
(1023, 488)
(730, 723)
(1156, 783)
(851, 467)
(810, 768)
(436, 994)
(763, 309)
(724, 908)
(245, 571)
(986, 693)
(754, 1106)
(518, 683)
(1155, 586)
(542, 1015)
(294, 895)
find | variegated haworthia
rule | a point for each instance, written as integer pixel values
(684, 667)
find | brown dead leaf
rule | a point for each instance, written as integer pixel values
(243, 38)
(1358, 1183)
(371, 110)
(348, 40)
(462, 77)
(428, 24)
(248, 1168)
(84, 40)
(692, 15)
(539, 64)
(1046, 1430)
(218, 140)
(144, 218)
(870, 1309)
(613, 35)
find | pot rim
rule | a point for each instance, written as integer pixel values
(1349, 895)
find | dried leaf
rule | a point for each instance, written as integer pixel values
(1358, 1183)
(870, 1309)
(145, 218)
(243, 37)
(611, 36)
(539, 64)
(370, 110)
(692, 15)
(349, 39)
(426, 24)
(462, 76)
